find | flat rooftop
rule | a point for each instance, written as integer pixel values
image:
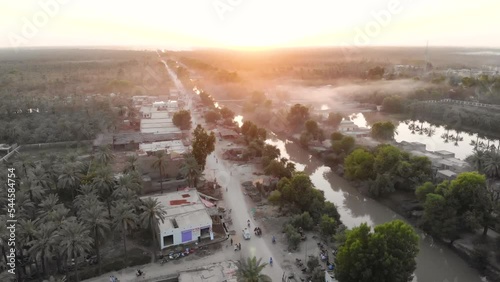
(185, 208)
(172, 146)
(447, 173)
(134, 137)
(444, 153)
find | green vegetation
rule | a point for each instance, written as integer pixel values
(298, 115)
(383, 130)
(203, 145)
(393, 104)
(387, 254)
(227, 113)
(55, 96)
(250, 270)
(334, 119)
(342, 145)
(69, 207)
(182, 119)
(207, 99)
(212, 116)
(191, 170)
(387, 169)
(464, 204)
(298, 195)
(486, 161)
(160, 163)
(312, 132)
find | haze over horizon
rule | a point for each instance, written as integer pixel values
(249, 24)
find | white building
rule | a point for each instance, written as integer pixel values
(187, 219)
(347, 125)
(157, 119)
(175, 148)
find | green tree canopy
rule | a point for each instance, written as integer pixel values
(203, 145)
(334, 119)
(227, 113)
(383, 130)
(182, 119)
(297, 115)
(359, 165)
(393, 104)
(387, 254)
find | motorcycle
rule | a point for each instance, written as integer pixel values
(274, 240)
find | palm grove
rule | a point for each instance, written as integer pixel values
(69, 207)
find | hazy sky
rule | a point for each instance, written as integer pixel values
(249, 23)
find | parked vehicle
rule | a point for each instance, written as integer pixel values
(246, 234)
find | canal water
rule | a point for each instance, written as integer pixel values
(435, 262)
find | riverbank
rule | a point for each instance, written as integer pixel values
(404, 203)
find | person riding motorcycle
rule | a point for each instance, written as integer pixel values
(271, 261)
(274, 239)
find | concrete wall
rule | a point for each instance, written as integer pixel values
(177, 234)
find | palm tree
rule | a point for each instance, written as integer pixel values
(161, 164)
(124, 219)
(153, 213)
(104, 155)
(69, 179)
(58, 215)
(25, 235)
(95, 218)
(24, 204)
(129, 181)
(50, 203)
(250, 270)
(104, 183)
(75, 241)
(43, 244)
(35, 192)
(191, 170)
(39, 177)
(86, 193)
(132, 164)
(492, 164)
(476, 159)
(25, 163)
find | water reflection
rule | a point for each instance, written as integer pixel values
(423, 128)
(239, 120)
(359, 119)
(434, 137)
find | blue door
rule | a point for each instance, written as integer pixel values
(187, 236)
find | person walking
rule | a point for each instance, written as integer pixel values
(231, 241)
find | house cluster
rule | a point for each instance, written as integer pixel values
(156, 133)
(444, 162)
